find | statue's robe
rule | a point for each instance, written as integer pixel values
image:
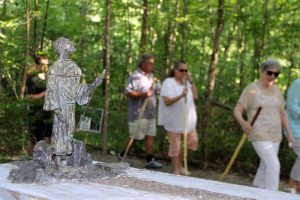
(63, 91)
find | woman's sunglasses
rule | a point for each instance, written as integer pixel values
(183, 70)
(270, 73)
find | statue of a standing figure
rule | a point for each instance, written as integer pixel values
(63, 91)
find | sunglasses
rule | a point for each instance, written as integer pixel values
(183, 70)
(150, 63)
(270, 73)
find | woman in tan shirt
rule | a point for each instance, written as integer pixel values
(266, 133)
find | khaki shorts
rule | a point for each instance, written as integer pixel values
(140, 128)
(175, 142)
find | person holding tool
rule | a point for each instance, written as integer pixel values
(177, 113)
(266, 133)
(63, 91)
(141, 91)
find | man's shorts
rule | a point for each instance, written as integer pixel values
(175, 142)
(140, 128)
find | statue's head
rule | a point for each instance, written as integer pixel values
(64, 47)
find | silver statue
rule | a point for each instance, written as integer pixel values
(63, 91)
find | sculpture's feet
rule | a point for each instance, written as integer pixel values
(57, 160)
(68, 159)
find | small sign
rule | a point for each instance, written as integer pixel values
(91, 121)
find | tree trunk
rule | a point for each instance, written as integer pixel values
(4, 8)
(143, 42)
(221, 82)
(211, 79)
(23, 84)
(152, 29)
(44, 26)
(259, 43)
(35, 27)
(241, 46)
(172, 37)
(129, 42)
(1, 50)
(83, 14)
(291, 58)
(184, 30)
(107, 76)
(170, 43)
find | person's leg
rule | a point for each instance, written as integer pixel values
(270, 167)
(175, 151)
(70, 128)
(151, 163)
(294, 182)
(149, 144)
(192, 141)
(57, 142)
(149, 129)
(192, 144)
(260, 176)
(176, 164)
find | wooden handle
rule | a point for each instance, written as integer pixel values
(256, 115)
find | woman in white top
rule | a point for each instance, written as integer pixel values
(266, 133)
(178, 93)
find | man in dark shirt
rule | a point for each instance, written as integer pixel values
(39, 120)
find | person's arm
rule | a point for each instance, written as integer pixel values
(286, 126)
(194, 91)
(132, 91)
(36, 96)
(171, 100)
(292, 102)
(136, 94)
(193, 87)
(238, 114)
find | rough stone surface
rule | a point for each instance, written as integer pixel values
(77, 167)
(42, 154)
(79, 157)
(27, 172)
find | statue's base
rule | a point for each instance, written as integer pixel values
(139, 184)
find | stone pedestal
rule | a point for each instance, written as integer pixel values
(136, 184)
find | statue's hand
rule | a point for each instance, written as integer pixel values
(98, 81)
(60, 116)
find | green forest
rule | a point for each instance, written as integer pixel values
(223, 41)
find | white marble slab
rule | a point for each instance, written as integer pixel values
(81, 191)
(214, 186)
